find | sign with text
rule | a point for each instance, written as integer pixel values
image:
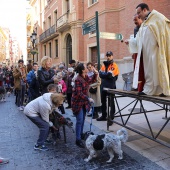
(89, 26)
(113, 36)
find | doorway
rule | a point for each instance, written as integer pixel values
(68, 49)
(94, 55)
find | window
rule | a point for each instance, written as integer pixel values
(49, 22)
(56, 48)
(44, 50)
(55, 17)
(50, 49)
(68, 6)
(44, 26)
(91, 2)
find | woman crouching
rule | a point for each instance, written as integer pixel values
(38, 112)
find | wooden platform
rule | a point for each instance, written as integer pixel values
(121, 118)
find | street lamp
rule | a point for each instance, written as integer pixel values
(33, 40)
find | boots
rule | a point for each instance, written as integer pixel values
(95, 115)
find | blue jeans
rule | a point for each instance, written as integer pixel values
(44, 128)
(80, 123)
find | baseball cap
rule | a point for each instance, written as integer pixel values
(109, 53)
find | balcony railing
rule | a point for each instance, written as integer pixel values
(48, 33)
(62, 20)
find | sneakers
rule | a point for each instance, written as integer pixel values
(3, 161)
(3, 100)
(21, 108)
(101, 119)
(48, 142)
(40, 147)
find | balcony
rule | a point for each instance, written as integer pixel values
(28, 24)
(63, 22)
(48, 34)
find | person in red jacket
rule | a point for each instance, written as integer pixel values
(80, 101)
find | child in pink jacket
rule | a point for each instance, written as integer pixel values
(61, 88)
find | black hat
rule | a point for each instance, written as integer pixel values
(72, 61)
(20, 61)
(109, 53)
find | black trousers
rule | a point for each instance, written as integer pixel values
(69, 95)
(61, 108)
(104, 107)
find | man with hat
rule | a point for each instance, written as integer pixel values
(108, 73)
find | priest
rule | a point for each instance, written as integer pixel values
(152, 42)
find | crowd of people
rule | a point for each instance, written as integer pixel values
(82, 84)
(43, 88)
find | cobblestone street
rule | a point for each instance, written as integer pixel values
(18, 136)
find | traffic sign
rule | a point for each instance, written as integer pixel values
(113, 36)
(89, 26)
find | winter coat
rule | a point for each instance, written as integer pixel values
(109, 73)
(34, 88)
(80, 94)
(40, 106)
(63, 86)
(30, 76)
(69, 80)
(97, 96)
(17, 77)
(45, 78)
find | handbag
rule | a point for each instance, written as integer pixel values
(93, 90)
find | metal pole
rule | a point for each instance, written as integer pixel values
(33, 49)
(97, 39)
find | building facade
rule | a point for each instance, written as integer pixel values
(3, 40)
(58, 24)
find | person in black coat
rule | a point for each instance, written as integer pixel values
(46, 74)
(34, 87)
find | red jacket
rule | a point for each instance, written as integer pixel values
(79, 95)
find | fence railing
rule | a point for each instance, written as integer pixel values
(48, 33)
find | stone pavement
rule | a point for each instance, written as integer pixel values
(18, 136)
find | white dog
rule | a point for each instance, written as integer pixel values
(110, 141)
(59, 88)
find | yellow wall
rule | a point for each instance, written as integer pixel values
(3, 40)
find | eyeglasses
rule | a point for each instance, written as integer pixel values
(108, 56)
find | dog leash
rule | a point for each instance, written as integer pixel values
(92, 107)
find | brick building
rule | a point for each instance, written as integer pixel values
(58, 25)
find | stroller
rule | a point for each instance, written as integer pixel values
(58, 120)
